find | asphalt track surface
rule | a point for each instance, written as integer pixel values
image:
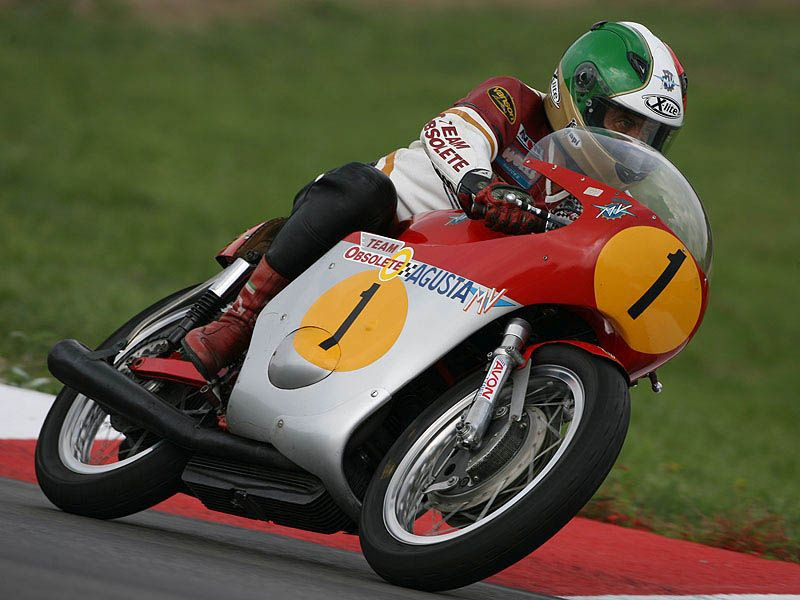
(180, 549)
(46, 553)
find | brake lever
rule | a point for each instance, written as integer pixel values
(547, 215)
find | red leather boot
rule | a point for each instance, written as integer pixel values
(219, 343)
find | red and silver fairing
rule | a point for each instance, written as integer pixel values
(375, 312)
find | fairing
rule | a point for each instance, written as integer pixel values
(374, 312)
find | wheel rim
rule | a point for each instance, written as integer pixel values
(554, 408)
(88, 443)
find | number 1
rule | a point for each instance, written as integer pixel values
(675, 261)
(366, 296)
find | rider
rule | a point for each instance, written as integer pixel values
(617, 76)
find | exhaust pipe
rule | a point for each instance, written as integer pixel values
(72, 363)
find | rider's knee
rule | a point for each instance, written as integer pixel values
(354, 197)
(363, 193)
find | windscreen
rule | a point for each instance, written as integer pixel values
(638, 170)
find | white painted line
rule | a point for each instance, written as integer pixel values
(692, 597)
(22, 412)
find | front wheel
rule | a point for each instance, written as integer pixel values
(436, 517)
(93, 463)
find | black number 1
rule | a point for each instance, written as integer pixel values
(366, 296)
(675, 261)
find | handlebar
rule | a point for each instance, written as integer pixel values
(524, 201)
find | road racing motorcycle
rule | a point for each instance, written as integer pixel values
(452, 395)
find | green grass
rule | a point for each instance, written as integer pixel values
(130, 153)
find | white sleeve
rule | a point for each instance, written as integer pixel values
(458, 142)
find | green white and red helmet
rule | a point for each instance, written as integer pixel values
(622, 65)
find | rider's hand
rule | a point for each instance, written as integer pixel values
(503, 215)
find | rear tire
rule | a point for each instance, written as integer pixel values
(466, 549)
(114, 490)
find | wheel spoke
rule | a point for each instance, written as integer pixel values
(555, 431)
(138, 444)
(441, 466)
(420, 509)
(514, 489)
(448, 516)
(491, 500)
(534, 392)
(538, 456)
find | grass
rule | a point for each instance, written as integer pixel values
(129, 153)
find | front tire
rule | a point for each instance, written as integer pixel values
(530, 485)
(84, 465)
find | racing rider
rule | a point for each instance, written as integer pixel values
(617, 76)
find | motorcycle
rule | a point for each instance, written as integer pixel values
(452, 395)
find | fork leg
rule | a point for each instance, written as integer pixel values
(503, 360)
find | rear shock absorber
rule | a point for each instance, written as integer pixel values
(212, 300)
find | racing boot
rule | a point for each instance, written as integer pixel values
(218, 344)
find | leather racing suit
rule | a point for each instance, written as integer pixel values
(488, 133)
(484, 135)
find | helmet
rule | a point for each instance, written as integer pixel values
(620, 67)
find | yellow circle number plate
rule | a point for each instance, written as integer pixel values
(364, 316)
(647, 284)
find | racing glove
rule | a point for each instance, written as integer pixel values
(495, 203)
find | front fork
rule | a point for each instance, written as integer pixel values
(505, 362)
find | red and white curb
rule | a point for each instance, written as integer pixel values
(22, 412)
(586, 560)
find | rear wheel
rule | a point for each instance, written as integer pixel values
(436, 517)
(93, 463)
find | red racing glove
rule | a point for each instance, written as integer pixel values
(496, 202)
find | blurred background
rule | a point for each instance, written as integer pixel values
(137, 137)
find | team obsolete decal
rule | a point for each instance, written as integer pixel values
(504, 102)
(395, 260)
(443, 139)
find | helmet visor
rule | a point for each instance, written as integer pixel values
(604, 113)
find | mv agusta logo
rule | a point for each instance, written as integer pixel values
(668, 81)
(504, 102)
(613, 211)
(661, 105)
(394, 259)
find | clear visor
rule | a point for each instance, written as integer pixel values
(604, 113)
